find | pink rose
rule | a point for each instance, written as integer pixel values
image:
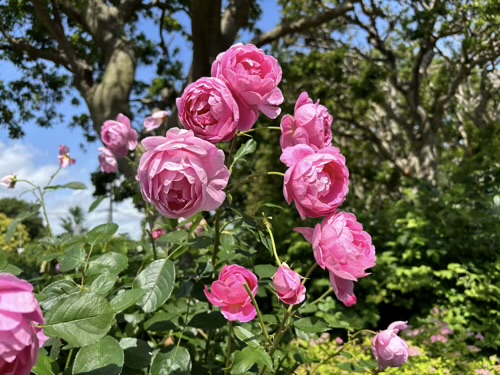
(253, 78)
(288, 285)
(64, 158)
(108, 161)
(311, 125)
(157, 233)
(119, 136)
(155, 120)
(317, 182)
(182, 174)
(200, 228)
(388, 348)
(229, 293)
(20, 339)
(9, 181)
(208, 108)
(342, 247)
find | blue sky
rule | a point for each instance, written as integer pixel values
(35, 156)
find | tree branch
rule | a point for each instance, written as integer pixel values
(128, 7)
(235, 17)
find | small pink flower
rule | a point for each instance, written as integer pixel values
(64, 159)
(208, 108)
(253, 78)
(155, 120)
(119, 136)
(229, 293)
(9, 181)
(439, 338)
(157, 233)
(20, 338)
(473, 349)
(414, 351)
(339, 341)
(483, 372)
(479, 337)
(311, 125)
(200, 228)
(446, 331)
(108, 161)
(317, 182)
(389, 349)
(181, 174)
(58, 267)
(288, 286)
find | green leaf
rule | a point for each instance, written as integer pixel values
(175, 362)
(75, 185)
(157, 280)
(57, 290)
(126, 299)
(311, 325)
(265, 270)
(45, 366)
(113, 263)
(103, 283)
(105, 357)
(96, 203)
(247, 148)
(75, 257)
(16, 271)
(208, 320)
(249, 356)
(11, 230)
(177, 237)
(137, 353)
(101, 233)
(246, 336)
(81, 319)
(3, 260)
(161, 322)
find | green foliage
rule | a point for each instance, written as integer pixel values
(13, 207)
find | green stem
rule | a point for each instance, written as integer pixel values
(44, 210)
(85, 266)
(253, 175)
(68, 360)
(311, 270)
(217, 237)
(230, 156)
(269, 230)
(255, 129)
(228, 351)
(327, 293)
(261, 321)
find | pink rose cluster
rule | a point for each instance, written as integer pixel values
(119, 137)
(244, 83)
(317, 180)
(20, 336)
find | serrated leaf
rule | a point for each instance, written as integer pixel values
(81, 319)
(96, 203)
(56, 291)
(105, 357)
(177, 237)
(249, 356)
(265, 270)
(208, 320)
(311, 325)
(175, 362)
(245, 149)
(75, 257)
(112, 262)
(45, 366)
(246, 336)
(101, 233)
(137, 353)
(126, 299)
(157, 280)
(161, 322)
(103, 283)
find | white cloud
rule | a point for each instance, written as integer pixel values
(37, 166)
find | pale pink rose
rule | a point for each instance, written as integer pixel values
(311, 125)
(208, 108)
(317, 182)
(439, 338)
(9, 181)
(64, 159)
(119, 136)
(155, 120)
(253, 78)
(157, 233)
(388, 348)
(181, 174)
(20, 338)
(288, 286)
(229, 293)
(108, 161)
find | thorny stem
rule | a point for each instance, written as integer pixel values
(261, 321)
(269, 230)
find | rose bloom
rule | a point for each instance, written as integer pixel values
(288, 286)
(208, 108)
(155, 120)
(64, 158)
(181, 174)
(317, 182)
(119, 136)
(157, 233)
(229, 293)
(389, 349)
(108, 161)
(20, 339)
(9, 181)
(311, 125)
(253, 78)
(342, 247)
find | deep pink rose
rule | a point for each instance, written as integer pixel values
(64, 159)
(311, 125)
(119, 136)
(155, 120)
(342, 247)
(229, 293)
(9, 181)
(288, 286)
(208, 108)
(253, 78)
(182, 174)
(389, 349)
(20, 339)
(317, 182)
(108, 161)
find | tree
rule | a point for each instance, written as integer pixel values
(13, 207)
(74, 223)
